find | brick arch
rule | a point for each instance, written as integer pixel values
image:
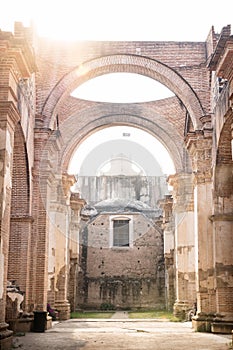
(124, 63)
(165, 134)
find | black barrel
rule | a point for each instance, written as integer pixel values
(40, 320)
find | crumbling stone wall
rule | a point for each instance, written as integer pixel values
(125, 277)
(148, 189)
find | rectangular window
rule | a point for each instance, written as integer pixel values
(121, 233)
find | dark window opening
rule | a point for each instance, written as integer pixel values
(121, 233)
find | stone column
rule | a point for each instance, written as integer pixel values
(8, 119)
(60, 216)
(201, 150)
(76, 204)
(42, 181)
(184, 243)
(169, 247)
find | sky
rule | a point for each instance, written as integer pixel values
(122, 88)
(170, 20)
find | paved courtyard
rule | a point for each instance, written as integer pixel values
(121, 334)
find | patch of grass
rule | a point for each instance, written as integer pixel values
(91, 314)
(161, 314)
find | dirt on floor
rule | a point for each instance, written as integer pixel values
(121, 334)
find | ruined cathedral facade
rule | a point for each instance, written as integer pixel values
(41, 218)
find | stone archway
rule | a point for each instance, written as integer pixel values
(123, 63)
(78, 123)
(164, 134)
(76, 119)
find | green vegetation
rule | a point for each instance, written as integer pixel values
(91, 314)
(161, 314)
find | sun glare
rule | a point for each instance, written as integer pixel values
(116, 19)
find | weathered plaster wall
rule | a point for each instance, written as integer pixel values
(127, 277)
(148, 189)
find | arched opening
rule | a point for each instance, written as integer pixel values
(121, 173)
(136, 144)
(77, 120)
(121, 162)
(123, 63)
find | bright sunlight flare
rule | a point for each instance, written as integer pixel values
(117, 19)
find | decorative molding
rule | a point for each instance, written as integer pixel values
(221, 217)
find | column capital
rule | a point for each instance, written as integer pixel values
(67, 182)
(207, 123)
(76, 203)
(200, 150)
(166, 205)
(182, 184)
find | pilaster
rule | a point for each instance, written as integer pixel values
(8, 119)
(42, 178)
(184, 243)
(60, 216)
(200, 149)
(166, 205)
(222, 222)
(76, 204)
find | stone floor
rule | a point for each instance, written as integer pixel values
(121, 333)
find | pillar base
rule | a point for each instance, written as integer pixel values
(181, 310)
(202, 322)
(212, 322)
(222, 327)
(223, 323)
(63, 308)
(24, 324)
(5, 337)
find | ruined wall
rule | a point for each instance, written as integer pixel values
(222, 214)
(126, 277)
(148, 189)
(16, 65)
